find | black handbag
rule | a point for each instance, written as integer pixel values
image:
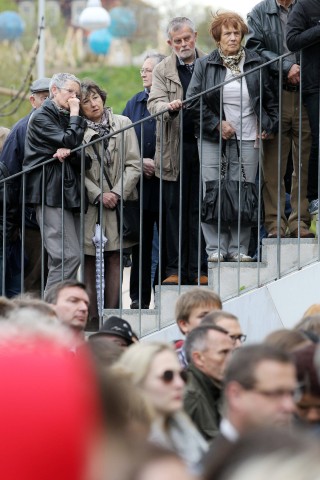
(131, 212)
(231, 202)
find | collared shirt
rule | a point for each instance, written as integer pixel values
(189, 66)
(283, 15)
(228, 430)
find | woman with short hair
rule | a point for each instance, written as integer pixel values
(237, 124)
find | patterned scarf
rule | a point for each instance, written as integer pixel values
(102, 128)
(232, 61)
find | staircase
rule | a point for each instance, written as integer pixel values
(287, 275)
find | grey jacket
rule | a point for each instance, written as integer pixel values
(266, 37)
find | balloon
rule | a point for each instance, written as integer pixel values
(11, 25)
(123, 22)
(100, 41)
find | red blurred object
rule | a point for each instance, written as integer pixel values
(49, 412)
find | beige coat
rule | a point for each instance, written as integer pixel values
(166, 87)
(130, 175)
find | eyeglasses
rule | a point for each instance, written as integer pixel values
(70, 91)
(242, 338)
(168, 375)
(145, 70)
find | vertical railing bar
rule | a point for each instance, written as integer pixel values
(62, 219)
(121, 239)
(141, 223)
(42, 229)
(259, 178)
(101, 258)
(279, 172)
(82, 213)
(200, 189)
(180, 199)
(23, 231)
(219, 192)
(4, 239)
(160, 221)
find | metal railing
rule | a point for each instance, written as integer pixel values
(300, 252)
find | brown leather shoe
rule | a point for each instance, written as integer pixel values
(274, 233)
(304, 233)
(171, 280)
(203, 280)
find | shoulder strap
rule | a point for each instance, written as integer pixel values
(94, 146)
(238, 153)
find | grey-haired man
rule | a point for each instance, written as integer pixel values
(54, 130)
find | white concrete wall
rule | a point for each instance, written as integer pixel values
(280, 304)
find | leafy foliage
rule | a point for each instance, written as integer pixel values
(121, 83)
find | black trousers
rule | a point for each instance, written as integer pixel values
(311, 102)
(149, 219)
(189, 220)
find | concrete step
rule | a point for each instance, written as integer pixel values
(231, 279)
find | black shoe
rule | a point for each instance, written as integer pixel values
(135, 305)
(127, 263)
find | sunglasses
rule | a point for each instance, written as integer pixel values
(168, 375)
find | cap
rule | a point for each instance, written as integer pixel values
(40, 85)
(117, 326)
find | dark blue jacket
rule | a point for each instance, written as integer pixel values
(12, 158)
(136, 109)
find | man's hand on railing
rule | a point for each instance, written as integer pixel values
(266, 136)
(294, 75)
(62, 153)
(110, 200)
(148, 167)
(175, 105)
(227, 130)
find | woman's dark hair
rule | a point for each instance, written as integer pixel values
(89, 86)
(220, 20)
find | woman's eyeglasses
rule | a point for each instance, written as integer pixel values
(168, 375)
(70, 91)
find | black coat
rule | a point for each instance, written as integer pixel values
(48, 130)
(266, 38)
(209, 71)
(303, 30)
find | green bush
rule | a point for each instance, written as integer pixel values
(121, 83)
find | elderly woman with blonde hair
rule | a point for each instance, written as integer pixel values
(155, 370)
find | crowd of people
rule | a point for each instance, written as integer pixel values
(111, 406)
(82, 160)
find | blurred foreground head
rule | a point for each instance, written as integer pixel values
(50, 413)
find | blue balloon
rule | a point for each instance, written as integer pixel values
(11, 25)
(100, 41)
(123, 22)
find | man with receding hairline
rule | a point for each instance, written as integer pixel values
(208, 349)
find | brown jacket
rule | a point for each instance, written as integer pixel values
(166, 87)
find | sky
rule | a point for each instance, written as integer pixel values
(240, 6)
